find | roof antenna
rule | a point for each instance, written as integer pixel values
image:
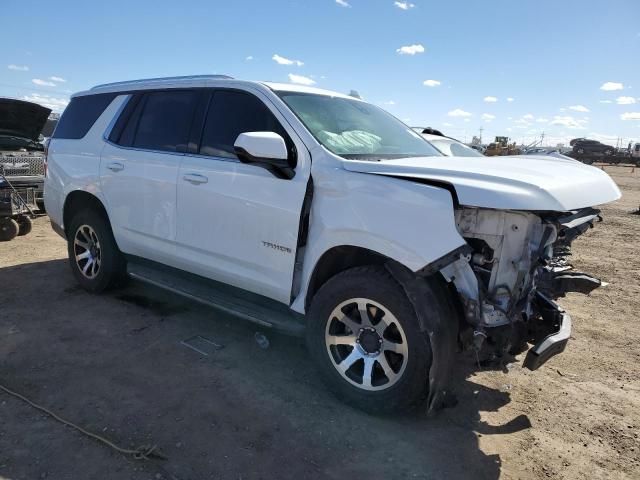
(355, 94)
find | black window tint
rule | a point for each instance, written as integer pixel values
(124, 129)
(230, 114)
(165, 121)
(81, 114)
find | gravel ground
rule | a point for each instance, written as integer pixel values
(115, 365)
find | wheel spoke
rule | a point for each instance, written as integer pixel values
(81, 244)
(388, 346)
(368, 371)
(382, 361)
(364, 314)
(351, 325)
(86, 266)
(352, 358)
(83, 255)
(341, 340)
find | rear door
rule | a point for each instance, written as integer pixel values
(139, 167)
(238, 223)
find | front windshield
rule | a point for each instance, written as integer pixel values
(455, 149)
(356, 130)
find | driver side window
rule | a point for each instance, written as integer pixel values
(230, 114)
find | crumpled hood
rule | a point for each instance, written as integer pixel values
(522, 182)
(22, 119)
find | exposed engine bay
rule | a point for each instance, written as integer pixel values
(517, 265)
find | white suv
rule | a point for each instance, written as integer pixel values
(317, 213)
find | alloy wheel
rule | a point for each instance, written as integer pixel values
(366, 344)
(86, 248)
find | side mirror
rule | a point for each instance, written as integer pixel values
(264, 149)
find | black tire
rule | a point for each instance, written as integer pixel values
(8, 229)
(376, 284)
(25, 225)
(111, 269)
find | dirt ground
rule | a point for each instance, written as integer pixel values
(115, 365)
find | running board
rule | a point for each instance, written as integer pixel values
(240, 303)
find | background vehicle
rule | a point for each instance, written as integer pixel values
(21, 153)
(501, 146)
(584, 146)
(546, 151)
(323, 215)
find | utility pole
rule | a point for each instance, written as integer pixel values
(542, 139)
(481, 130)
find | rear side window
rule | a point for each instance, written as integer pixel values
(156, 121)
(81, 114)
(230, 114)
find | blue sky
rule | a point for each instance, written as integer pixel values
(571, 68)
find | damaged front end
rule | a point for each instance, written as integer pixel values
(516, 267)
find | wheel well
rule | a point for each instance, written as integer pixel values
(339, 259)
(77, 201)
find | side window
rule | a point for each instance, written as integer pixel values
(81, 114)
(165, 121)
(230, 114)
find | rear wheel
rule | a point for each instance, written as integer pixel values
(364, 335)
(95, 259)
(24, 225)
(8, 229)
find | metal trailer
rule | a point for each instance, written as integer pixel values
(16, 210)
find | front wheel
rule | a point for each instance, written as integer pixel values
(95, 259)
(364, 335)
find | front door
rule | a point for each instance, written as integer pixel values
(238, 223)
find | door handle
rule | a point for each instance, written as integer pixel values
(195, 178)
(115, 166)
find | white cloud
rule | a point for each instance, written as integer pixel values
(300, 80)
(55, 104)
(467, 120)
(410, 49)
(568, 121)
(630, 116)
(432, 83)
(487, 117)
(43, 83)
(447, 124)
(19, 68)
(404, 5)
(610, 86)
(528, 116)
(249, 58)
(578, 108)
(542, 120)
(458, 112)
(625, 100)
(57, 79)
(390, 102)
(510, 99)
(285, 61)
(490, 99)
(343, 3)
(606, 101)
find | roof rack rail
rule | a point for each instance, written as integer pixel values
(159, 79)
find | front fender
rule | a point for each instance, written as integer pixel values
(409, 222)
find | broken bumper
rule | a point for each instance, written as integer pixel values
(553, 343)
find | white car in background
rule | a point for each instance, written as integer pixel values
(320, 214)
